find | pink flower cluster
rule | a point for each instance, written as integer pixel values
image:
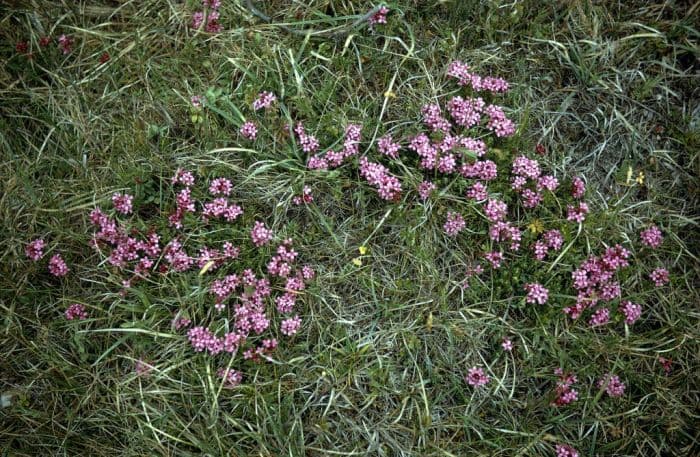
(631, 311)
(564, 391)
(211, 14)
(432, 117)
(577, 213)
(507, 344)
(249, 130)
(35, 249)
(260, 234)
(388, 147)
(65, 44)
(498, 123)
(221, 208)
(552, 239)
(527, 171)
(351, 147)
(185, 203)
(220, 186)
(612, 385)
(57, 266)
(181, 322)
(578, 187)
(265, 100)
(505, 231)
(425, 189)
(594, 280)
(231, 378)
(460, 71)
(466, 112)
(379, 17)
(477, 192)
(536, 293)
(305, 197)
(601, 316)
(476, 377)
(123, 203)
(308, 143)
(652, 237)
(564, 450)
(495, 258)
(197, 101)
(76, 311)
(659, 276)
(290, 326)
(454, 224)
(377, 175)
(495, 210)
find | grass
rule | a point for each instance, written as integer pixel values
(379, 364)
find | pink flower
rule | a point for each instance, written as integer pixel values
(548, 182)
(305, 197)
(541, 249)
(564, 450)
(220, 186)
(388, 186)
(507, 344)
(600, 317)
(495, 210)
(536, 293)
(477, 192)
(388, 147)
(249, 130)
(260, 234)
(290, 326)
(666, 364)
(531, 198)
(186, 178)
(57, 266)
(526, 168)
(565, 394)
(476, 377)
(65, 43)
(454, 224)
(76, 311)
(652, 237)
(495, 258)
(498, 122)
(425, 189)
(264, 100)
(466, 112)
(379, 17)
(181, 322)
(231, 378)
(202, 339)
(578, 187)
(554, 239)
(612, 384)
(631, 311)
(308, 143)
(659, 276)
(123, 203)
(197, 101)
(460, 71)
(432, 117)
(577, 213)
(35, 249)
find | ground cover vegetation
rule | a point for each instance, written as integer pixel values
(349, 228)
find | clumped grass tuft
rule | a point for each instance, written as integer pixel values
(610, 89)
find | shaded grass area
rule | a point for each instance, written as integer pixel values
(379, 366)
